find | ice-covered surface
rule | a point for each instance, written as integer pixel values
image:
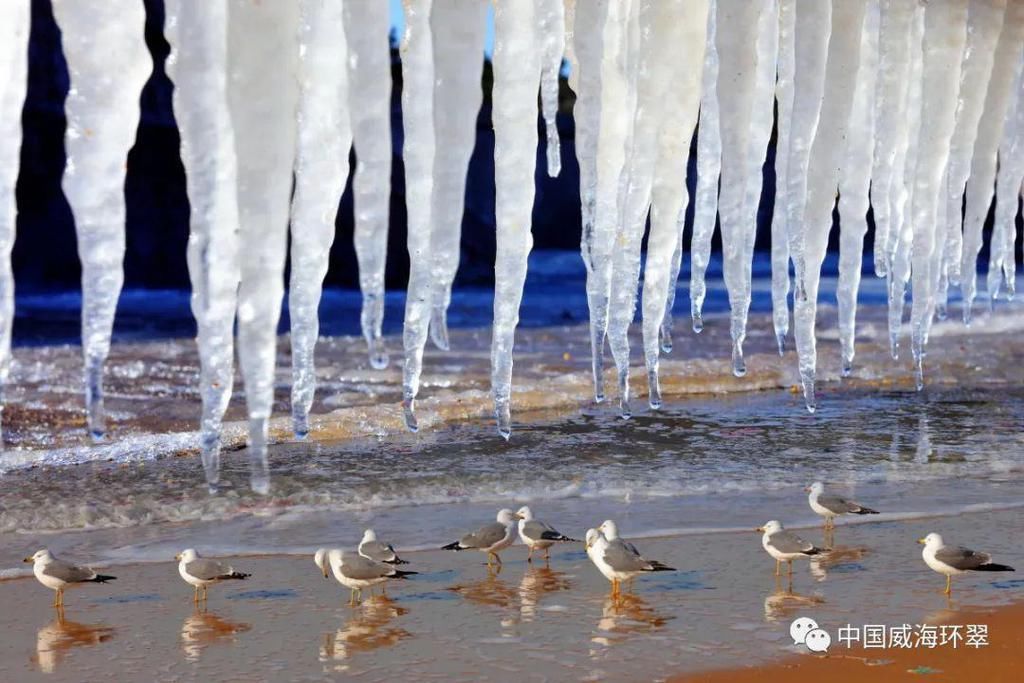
(14, 19)
(108, 63)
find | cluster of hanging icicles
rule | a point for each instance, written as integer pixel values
(902, 105)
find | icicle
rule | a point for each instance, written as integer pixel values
(369, 101)
(890, 94)
(517, 67)
(604, 118)
(1002, 264)
(811, 29)
(945, 25)
(1005, 65)
(667, 320)
(321, 169)
(780, 231)
(15, 19)
(108, 63)
(901, 190)
(737, 44)
(823, 172)
(709, 167)
(263, 99)
(418, 153)
(551, 25)
(682, 28)
(984, 23)
(854, 185)
(197, 65)
(457, 28)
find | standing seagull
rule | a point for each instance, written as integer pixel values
(201, 573)
(490, 539)
(785, 545)
(830, 507)
(953, 559)
(615, 558)
(372, 549)
(356, 572)
(538, 535)
(58, 575)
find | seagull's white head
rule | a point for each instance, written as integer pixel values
(369, 535)
(932, 540)
(41, 555)
(525, 513)
(187, 555)
(817, 488)
(591, 538)
(771, 527)
(506, 516)
(609, 530)
(320, 558)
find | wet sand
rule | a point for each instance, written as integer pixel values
(723, 608)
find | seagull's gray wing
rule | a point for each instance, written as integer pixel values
(961, 558)
(363, 569)
(788, 542)
(841, 506)
(375, 550)
(68, 573)
(623, 557)
(209, 570)
(484, 537)
(534, 530)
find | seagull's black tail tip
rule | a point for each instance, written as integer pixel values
(659, 567)
(993, 567)
(399, 574)
(815, 551)
(238, 575)
(397, 561)
(866, 511)
(451, 546)
(555, 536)
(102, 578)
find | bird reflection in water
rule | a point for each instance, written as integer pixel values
(490, 592)
(55, 640)
(784, 604)
(624, 615)
(368, 629)
(202, 629)
(821, 564)
(538, 582)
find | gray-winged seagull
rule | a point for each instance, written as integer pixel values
(616, 559)
(201, 573)
(490, 539)
(538, 535)
(785, 546)
(356, 572)
(830, 507)
(953, 559)
(57, 575)
(373, 549)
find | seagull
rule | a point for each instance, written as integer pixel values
(490, 539)
(57, 575)
(372, 549)
(200, 572)
(356, 572)
(953, 559)
(830, 507)
(615, 558)
(785, 545)
(538, 535)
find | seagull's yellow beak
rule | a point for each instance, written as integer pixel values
(921, 541)
(29, 560)
(760, 529)
(807, 489)
(325, 573)
(516, 515)
(178, 556)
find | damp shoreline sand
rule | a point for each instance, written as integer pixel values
(722, 609)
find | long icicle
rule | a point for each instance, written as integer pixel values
(108, 62)
(197, 65)
(517, 67)
(551, 15)
(1002, 264)
(263, 94)
(780, 230)
(14, 32)
(418, 155)
(321, 169)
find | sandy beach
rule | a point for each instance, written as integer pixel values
(723, 608)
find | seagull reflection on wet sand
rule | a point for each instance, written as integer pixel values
(538, 582)
(490, 592)
(366, 630)
(58, 638)
(626, 614)
(202, 629)
(783, 604)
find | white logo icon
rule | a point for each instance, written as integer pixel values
(818, 640)
(800, 628)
